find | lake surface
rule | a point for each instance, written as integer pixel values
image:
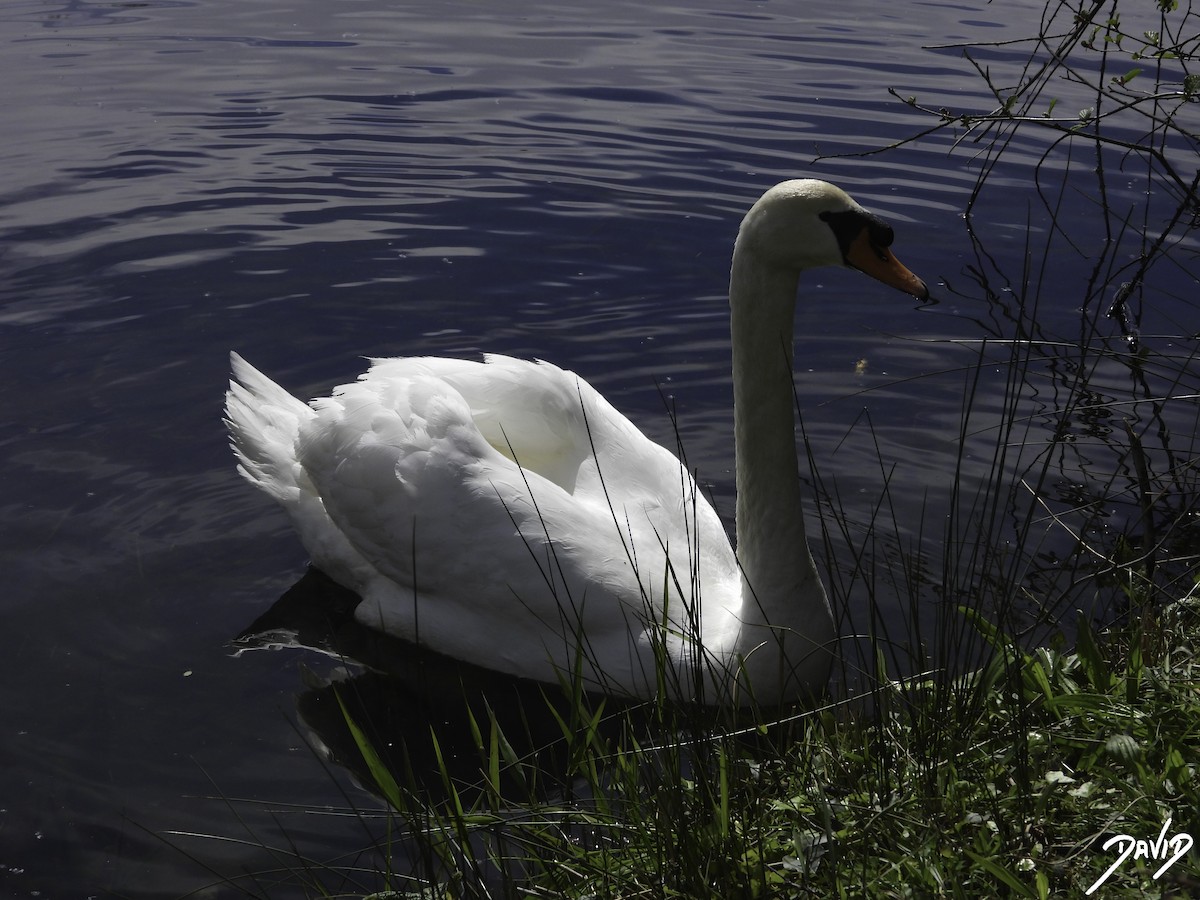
(312, 183)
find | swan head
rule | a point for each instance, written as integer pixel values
(806, 224)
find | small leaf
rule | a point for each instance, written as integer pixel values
(1057, 776)
(1123, 747)
(1084, 790)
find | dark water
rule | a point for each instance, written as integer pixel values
(310, 183)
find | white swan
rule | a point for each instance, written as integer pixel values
(503, 512)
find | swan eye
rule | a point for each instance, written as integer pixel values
(848, 225)
(881, 232)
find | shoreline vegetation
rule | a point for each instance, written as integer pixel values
(1066, 589)
(1006, 782)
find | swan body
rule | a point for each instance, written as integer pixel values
(503, 512)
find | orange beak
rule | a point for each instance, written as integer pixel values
(881, 264)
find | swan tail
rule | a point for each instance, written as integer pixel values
(264, 424)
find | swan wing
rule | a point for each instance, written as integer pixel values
(504, 511)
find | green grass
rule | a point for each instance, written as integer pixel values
(1005, 782)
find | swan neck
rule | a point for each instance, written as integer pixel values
(777, 567)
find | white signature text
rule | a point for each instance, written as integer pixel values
(1166, 848)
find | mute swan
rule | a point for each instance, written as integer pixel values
(504, 513)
